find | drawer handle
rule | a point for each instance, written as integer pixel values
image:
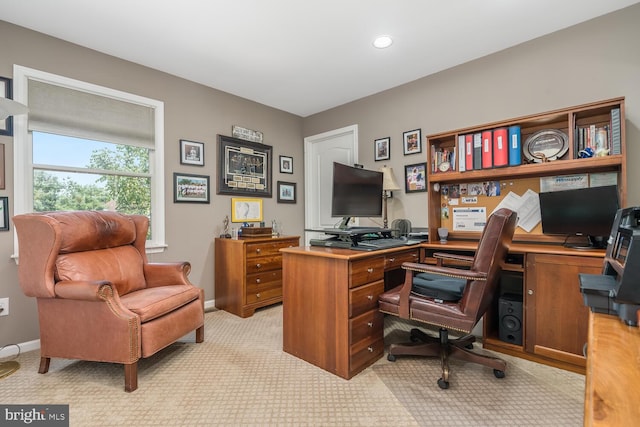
(370, 324)
(370, 270)
(369, 297)
(392, 259)
(258, 280)
(258, 265)
(258, 250)
(257, 295)
(370, 349)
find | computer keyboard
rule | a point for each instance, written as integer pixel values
(374, 244)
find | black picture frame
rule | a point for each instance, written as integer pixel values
(286, 192)
(6, 91)
(191, 153)
(188, 188)
(382, 149)
(244, 167)
(415, 177)
(286, 164)
(412, 141)
(4, 214)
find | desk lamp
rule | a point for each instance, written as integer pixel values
(388, 184)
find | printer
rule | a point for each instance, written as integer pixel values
(617, 290)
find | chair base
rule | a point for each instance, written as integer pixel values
(426, 345)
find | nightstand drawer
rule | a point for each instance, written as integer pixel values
(264, 292)
(256, 265)
(364, 298)
(366, 271)
(268, 248)
(258, 279)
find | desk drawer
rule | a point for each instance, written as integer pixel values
(366, 271)
(263, 293)
(366, 327)
(255, 265)
(259, 249)
(392, 261)
(364, 298)
(258, 279)
(364, 354)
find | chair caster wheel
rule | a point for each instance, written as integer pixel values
(391, 357)
(498, 373)
(443, 384)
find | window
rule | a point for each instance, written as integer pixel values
(85, 147)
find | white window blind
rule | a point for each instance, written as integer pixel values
(64, 111)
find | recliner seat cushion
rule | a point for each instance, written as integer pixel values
(438, 287)
(151, 303)
(122, 266)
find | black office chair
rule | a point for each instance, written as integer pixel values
(452, 298)
(400, 228)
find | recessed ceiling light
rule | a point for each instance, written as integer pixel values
(382, 42)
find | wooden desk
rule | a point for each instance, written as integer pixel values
(330, 304)
(612, 391)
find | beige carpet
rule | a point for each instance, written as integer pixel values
(241, 376)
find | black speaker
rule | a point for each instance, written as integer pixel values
(510, 315)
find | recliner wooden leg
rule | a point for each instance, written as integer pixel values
(130, 377)
(200, 334)
(44, 365)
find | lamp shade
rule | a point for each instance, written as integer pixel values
(388, 179)
(9, 107)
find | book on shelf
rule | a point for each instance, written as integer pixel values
(462, 165)
(598, 139)
(444, 159)
(515, 146)
(615, 131)
(500, 147)
(468, 155)
(487, 149)
(477, 151)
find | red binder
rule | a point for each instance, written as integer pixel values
(500, 147)
(487, 157)
(468, 151)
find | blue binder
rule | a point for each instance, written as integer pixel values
(515, 146)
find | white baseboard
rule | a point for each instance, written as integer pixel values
(11, 349)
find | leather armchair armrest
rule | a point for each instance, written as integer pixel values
(167, 274)
(81, 290)
(440, 256)
(444, 271)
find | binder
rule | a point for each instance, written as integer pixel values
(461, 154)
(477, 151)
(515, 146)
(616, 145)
(500, 147)
(487, 149)
(468, 151)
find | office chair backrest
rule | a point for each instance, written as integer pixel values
(401, 227)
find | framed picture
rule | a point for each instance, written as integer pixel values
(244, 167)
(415, 177)
(245, 209)
(2, 167)
(6, 125)
(382, 149)
(412, 141)
(4, 214)
(190, 188)
(286, 192)
(286, 164)
(191, 153)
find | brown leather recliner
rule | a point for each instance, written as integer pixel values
(99, 298)
(452, 298)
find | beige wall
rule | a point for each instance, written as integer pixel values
(589, 62)
(192, 111)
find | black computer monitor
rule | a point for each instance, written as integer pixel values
(587, 212)
(357, 192)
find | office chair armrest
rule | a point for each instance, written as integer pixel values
(440, 256)
(445, 271)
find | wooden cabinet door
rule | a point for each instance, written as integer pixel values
(556, 322)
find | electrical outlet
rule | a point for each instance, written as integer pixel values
(4, 306)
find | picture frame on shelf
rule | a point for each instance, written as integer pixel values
(191, 153)
(412, 141)
(382, 149)
(286, 192)
(415, 177)
(4, 214)
(244, 167)
(188, 188)
(246, 209)
(6, 89)
(286, 164)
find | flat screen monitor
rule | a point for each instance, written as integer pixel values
(587, 212)
(357, 192)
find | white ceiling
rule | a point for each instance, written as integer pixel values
(300, 56)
